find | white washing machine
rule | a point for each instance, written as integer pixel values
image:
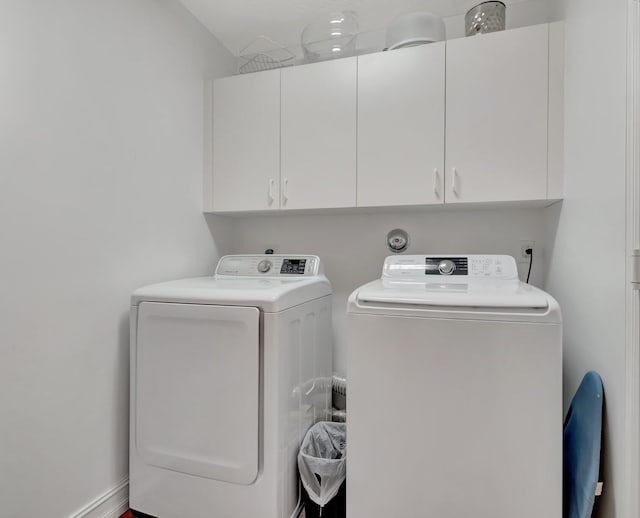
(455, 392)
(227, 374)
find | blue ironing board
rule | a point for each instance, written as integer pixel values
(582, 438)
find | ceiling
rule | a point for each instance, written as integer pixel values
(237, 22)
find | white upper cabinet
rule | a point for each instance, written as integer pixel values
(246, 142)
(319, 135)
(497, 114)
(401, 111)
(476, 119)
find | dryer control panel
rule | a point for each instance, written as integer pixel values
(458, 267)
(269, 266)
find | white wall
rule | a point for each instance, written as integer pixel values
(587, 233)
(353, 246)
(101, 132)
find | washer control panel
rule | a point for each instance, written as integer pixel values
(421, 267)
(264, 266)
(446, 265)
(293, 266)
(269, 266)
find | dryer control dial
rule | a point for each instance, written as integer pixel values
(446, 267)
(264, 266)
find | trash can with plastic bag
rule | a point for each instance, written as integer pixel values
(322, 462)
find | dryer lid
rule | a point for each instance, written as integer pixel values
(272, 283)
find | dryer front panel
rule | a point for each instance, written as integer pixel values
(197, 389)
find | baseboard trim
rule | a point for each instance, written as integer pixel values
(112, 504)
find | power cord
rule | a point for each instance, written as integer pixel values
(529, 252)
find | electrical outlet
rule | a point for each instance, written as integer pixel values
(524, 246)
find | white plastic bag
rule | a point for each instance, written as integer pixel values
(323, 453)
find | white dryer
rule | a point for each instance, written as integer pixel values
(227, 374)
(455, 392)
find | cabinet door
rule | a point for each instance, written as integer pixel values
(497, 111)
(319, 135)
(246, 142)
(401, 126)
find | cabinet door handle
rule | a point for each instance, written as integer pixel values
(285, 190)
(454, 183)
(272, 197)
(436, 183)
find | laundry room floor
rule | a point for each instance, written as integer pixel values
(128, 514)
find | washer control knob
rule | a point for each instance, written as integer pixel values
(446, 267)
(264, 266)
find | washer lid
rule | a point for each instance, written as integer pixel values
(453, 286)
(471, 294)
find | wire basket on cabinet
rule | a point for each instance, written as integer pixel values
(263, 53)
